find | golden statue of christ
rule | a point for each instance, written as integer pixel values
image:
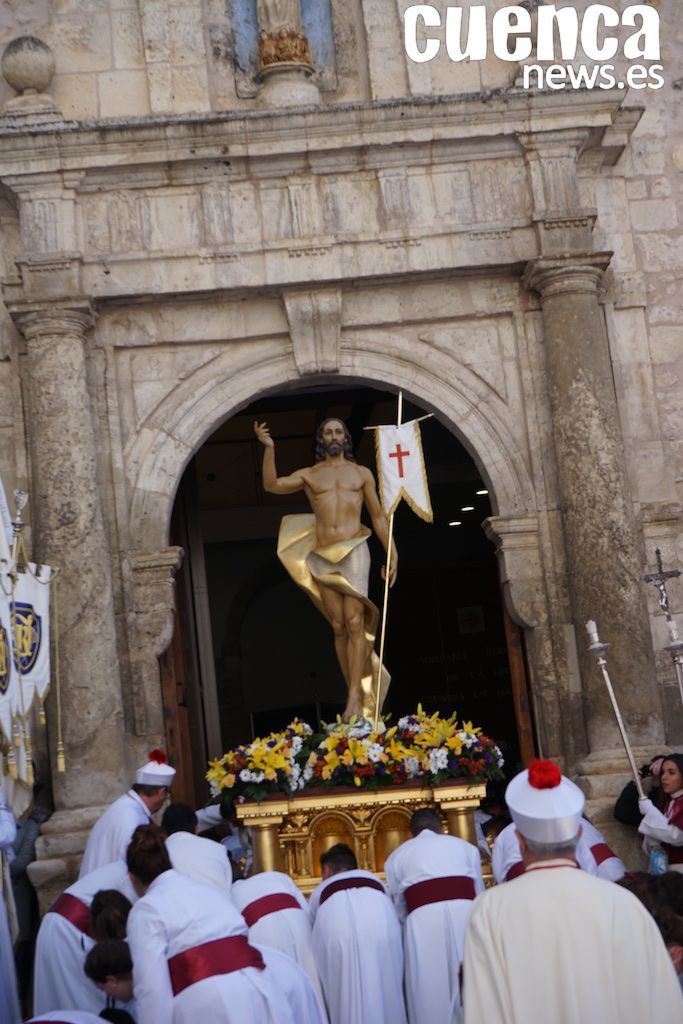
(327, 554)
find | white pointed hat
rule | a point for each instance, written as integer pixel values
(157, 771)
(545, 806)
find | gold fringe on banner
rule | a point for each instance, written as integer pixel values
(11, 763)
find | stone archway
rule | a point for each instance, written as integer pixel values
(458, 397)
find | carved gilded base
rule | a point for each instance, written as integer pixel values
(290, 834)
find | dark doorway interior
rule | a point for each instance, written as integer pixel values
(273, 653)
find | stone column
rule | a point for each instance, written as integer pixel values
(69, 533)
(604, 562)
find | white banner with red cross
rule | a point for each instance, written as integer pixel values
(401, 469)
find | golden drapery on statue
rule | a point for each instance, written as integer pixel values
(296, 541)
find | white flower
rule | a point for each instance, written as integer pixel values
(360, 728)
(214, 788)
(297, 744)
(403, 722)
(374, 751)
(412, 767)
(438, 760)
(308, 773)
(257, 776)
(245, 775)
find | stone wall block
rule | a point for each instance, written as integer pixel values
(128, 46)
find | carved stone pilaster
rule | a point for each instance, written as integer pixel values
(315, 328)
(150, 630)
(518, 549)
(562, 224)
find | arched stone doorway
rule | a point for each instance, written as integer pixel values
(524, 532)
(251, 649)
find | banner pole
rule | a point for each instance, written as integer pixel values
(378, 695)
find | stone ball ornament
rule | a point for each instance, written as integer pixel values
(28, 65)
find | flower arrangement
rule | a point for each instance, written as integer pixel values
(426, 748)
(269, 765)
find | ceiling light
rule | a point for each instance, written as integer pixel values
(467, 508)
(483, 491)
(456, 522)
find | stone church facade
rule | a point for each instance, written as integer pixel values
(181, 232)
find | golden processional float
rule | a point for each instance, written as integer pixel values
(357, 782)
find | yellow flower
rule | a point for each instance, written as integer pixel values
(356, 780)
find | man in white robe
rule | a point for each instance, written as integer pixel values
(111, 833)
(186, 970)
(593, 855)
(559, 944)
(276, 914)
(63, 943)
(357, 943)
(202, 859)
(433, 879)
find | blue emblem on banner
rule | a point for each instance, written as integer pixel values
(4, 660)
(28, 633)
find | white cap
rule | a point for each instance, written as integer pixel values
(545, 806)
(156, 772)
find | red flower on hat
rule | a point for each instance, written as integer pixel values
(158, 755)
(544, 774)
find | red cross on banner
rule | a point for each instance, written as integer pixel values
(400, 455)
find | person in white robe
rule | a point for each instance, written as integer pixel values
(63, 943)
(433, 879)
(202, 859)
(560, 944)
(192, 960)
(276, 913)
(507, 863)
(10, 1012)
(357, 943)
(592, 845)
(111, 833)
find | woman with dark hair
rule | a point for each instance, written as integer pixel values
(666, 828)
(191, 956)
(109, 912)
(110, 968)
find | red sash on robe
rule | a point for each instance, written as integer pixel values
(220, 956)
(438, 890)
(74, 910)
(254, 911)
(674, 814)
(349, 883)
(601, 852)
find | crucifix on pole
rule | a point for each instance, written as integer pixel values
(675, 647)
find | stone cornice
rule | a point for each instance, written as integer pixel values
(269, 134)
